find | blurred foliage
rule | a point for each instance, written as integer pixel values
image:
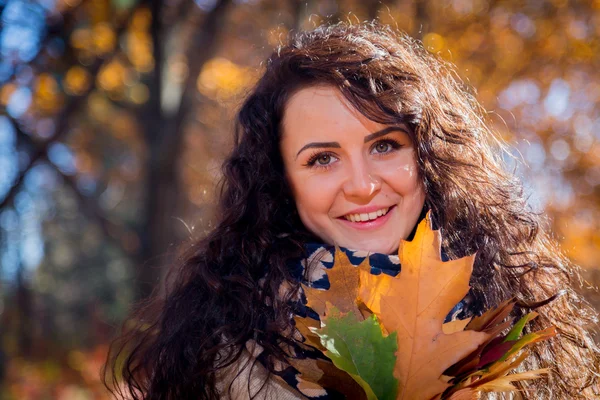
(116, 114)
(72, 377)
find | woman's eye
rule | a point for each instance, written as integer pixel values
(382, 147)
(323, 159)
(385, 146)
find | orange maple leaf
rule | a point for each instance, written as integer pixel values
(415, 304)
(343, 291)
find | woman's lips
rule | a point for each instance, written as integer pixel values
(368, 225)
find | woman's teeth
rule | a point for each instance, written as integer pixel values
(366, 217)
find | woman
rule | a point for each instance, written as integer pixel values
(350, 135)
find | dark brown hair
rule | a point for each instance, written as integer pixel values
(225, 289)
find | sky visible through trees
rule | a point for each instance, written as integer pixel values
(116, 114)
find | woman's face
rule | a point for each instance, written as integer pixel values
(354, 181)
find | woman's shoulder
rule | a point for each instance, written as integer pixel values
(247, 378)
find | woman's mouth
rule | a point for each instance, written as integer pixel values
(365, 217)
(370, 220)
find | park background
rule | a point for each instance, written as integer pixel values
(116, 114)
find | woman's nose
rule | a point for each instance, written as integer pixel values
(362, 183)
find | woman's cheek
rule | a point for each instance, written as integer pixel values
(401, 181)
(402, 175)
(320, 191)
(307, 194)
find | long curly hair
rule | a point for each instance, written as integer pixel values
(225, 289)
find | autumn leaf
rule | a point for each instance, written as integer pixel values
(501, 347)
(504, 383)
(455, 326)
(530, 339)
(516, 330)
(414, 304)
(494, 377)
(491, 322)
(360, 349)
(492, 317)
(327, 375)
(343, 291)
(304, 326)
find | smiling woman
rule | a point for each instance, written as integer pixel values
(350, 136)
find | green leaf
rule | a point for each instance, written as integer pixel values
(516, 330)
(529, 339)
(360, 349)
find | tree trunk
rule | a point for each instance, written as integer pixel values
(164, 137)
(24, 307)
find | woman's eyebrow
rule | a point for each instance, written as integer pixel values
(368, 138)
(318, 144)
(384, 132)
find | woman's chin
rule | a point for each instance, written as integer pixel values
(380, 248)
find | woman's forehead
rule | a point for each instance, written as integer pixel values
(313, 110)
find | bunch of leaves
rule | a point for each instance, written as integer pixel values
(388, 333)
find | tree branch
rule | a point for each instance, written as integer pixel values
(202, 48)
(119, 234)
(112, 230)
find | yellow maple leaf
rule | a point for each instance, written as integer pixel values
(415, 304)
